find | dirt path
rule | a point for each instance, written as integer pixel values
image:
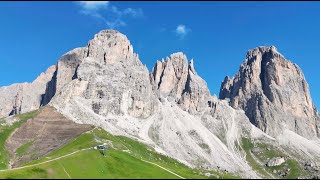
(163, 168)
(66, 171)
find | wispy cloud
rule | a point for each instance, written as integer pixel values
(111, 15)
(93, 5)
(133, 12)
(181, 31)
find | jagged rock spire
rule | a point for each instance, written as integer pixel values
(175, 80)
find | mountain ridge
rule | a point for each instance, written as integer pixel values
(170, 108)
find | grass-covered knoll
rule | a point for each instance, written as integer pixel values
(5, 132)
(290, 169)
(123, 160)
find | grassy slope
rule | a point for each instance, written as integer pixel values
(91, 164)
(116, 164)
(290, 163)
(247, 145)
(5, 132)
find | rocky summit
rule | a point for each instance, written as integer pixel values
(273, 93)
(176, 80)
(267, 104)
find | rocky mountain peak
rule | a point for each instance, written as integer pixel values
(262, 50)
(107, 76)
(273, 92)
(178, 56)
(43, 77)
(178, 81)
(169, 76)
(111, 46)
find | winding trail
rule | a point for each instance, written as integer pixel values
(65, 171)
(163, 168)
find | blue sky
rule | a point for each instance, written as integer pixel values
(216, 35)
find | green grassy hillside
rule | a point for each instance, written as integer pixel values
(124, 159)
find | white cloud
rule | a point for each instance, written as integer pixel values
(90, 5)
(127, 12)
(110, 15)
(182, 31)
(133, 12)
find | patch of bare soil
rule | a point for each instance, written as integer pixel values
(48, 131)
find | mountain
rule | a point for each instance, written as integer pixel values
(273, 93)
(176, 80)
(113, 89)
(24, 97)
(265, 108)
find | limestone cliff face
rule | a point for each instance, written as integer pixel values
(273, 92)
(24, 97)
(177, 81)
(170, 76)
(66, 71)
(109, 77)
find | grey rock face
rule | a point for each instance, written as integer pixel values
(24, 97)
(273, 92)
(110, 77)
(66, 71)
(276, 161)
(176, 80)
(196, 95)
(169, 77)
(68, 65)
